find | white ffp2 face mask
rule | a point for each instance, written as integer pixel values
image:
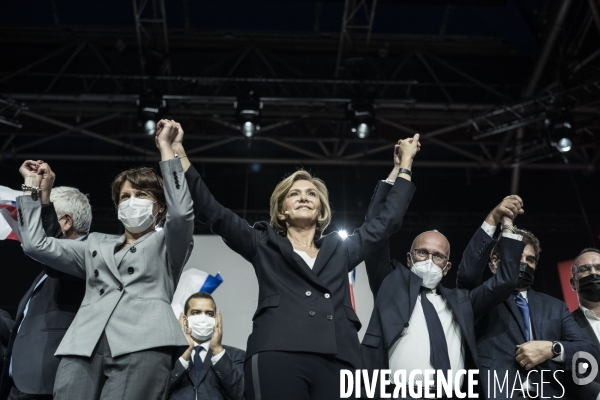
(202, 326)
(136, 214)
(429, 272)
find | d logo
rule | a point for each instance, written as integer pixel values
(583, 366)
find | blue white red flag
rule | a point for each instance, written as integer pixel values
(9, 228)
(193, 280)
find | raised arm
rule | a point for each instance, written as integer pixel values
(477, 254)
(236, 232)
(67, 256)
(370, 237)
(179, 222)
(499, 287)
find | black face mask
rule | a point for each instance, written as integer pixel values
(525, 275)
(589, 288)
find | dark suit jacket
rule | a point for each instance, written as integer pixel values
(300, 309)
(6, 324)
(502, 329)
(396, 289)
(222, 381)
(52, 307)
(591, 390)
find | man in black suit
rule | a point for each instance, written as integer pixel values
(6, 324)
(207, 370)
(418, 324)
(48, 307)
(585, 281)
(529, 338)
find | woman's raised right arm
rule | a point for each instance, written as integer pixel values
(236, 232)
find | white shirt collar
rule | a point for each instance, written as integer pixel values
(205, 345)
(589, 314)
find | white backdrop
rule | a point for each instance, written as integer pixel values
(237, 296)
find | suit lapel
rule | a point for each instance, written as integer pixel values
(286, 249)
(27, 297)
(107, 249)
(328, 245)
(585, 326)
(451, 297)
(535, 303)
(512, 306)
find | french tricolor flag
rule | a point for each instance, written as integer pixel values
(193, 280)
(9, 228)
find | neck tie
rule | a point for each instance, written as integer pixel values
(197, 362)
(524, 308)
(437, 340)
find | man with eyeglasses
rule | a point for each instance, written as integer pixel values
(586, 282)
(418, 324)
(528, 338)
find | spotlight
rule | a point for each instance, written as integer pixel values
(248, 109)
(150, 110)
(362, 118)
(560, 130)
(343, 234)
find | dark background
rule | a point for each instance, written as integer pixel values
(497, 42)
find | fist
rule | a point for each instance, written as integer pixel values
(29, 171)
(509, 208)
(407, 148)
(167, 131)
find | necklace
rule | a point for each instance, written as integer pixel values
(300, 244)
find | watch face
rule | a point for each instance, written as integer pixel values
(556, 348)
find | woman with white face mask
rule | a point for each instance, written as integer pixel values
(125, 329)
(304, 329)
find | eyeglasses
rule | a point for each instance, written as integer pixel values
(422, 254)
(588, 268)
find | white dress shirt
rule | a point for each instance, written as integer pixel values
(203, 352)
(308, 259)
(412, 351)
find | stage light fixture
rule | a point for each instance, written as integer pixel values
(362, 118)
(151, 108)
(343, 234)
(248, 109)
(560, 130)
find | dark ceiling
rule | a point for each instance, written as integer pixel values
(476, 78)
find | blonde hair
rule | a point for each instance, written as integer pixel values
(281, 191)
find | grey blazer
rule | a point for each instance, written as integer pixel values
(130, 299)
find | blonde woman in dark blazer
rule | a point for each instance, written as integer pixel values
(304, 328)
(121, 342)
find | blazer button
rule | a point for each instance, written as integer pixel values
(94, 253)
(96, 273)
(130, 270)
(311, 313)
(327, 295)
(330, 317)
(101, 292)
(133, 249)
(120, 288)
(308, 293)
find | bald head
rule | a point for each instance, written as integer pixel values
(432, 239)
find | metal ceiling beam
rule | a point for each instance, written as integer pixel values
(291, 161)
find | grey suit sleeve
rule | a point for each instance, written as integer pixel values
(179, 223)
(230, 371)
(67, 256)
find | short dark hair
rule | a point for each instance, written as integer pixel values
(582, 252)
(198, 295)
(528, 238)
(144, 178)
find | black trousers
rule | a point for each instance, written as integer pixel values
(142, 375)
(16, 394)
(277, 375)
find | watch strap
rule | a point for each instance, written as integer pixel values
(405, 171)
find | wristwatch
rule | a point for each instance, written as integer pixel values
(556, 349)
